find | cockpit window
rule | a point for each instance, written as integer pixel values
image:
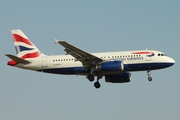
(161, 54)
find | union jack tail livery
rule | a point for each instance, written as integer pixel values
(24, 47)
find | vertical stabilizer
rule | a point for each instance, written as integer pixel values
(24, 47)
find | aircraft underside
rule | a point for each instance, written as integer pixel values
(131, 67)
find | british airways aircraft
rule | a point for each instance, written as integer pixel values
(115, 66)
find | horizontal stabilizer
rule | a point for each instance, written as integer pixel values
(17, 59)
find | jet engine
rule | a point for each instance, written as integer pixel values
(110, 66)
(118, 78)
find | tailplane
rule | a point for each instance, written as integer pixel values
(16, 60)
(24, 47)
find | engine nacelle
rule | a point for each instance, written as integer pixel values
(119, 78)
(110, 66)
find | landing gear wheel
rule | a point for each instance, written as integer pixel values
(97, 85)
(150, 78)
(90, 78)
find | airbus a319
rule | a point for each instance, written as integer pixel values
(114, 66)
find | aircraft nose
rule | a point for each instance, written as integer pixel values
(171, 61)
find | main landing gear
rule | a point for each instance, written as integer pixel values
(90, 77)
(149, 76)
(96, 84)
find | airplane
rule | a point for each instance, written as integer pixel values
(114, 66)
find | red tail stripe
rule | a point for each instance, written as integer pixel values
(142, 53)
(31, 55)
(18, 38)
(12, 63)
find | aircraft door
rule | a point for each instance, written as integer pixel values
(44, 62)
(148, 57)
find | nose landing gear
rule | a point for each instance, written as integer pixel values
(149, 76)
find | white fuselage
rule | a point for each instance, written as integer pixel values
(66, 64)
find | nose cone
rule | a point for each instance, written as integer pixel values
(171, 61)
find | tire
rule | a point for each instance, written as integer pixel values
(97, 85)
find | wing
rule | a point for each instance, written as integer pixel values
(84, 57)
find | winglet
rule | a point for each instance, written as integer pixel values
(56, 41)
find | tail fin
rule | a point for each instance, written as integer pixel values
(24, 47)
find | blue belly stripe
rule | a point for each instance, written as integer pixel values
(129, 67)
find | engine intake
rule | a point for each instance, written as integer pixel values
(118, 78)
(110, 66)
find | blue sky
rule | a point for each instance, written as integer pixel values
(94, 26)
